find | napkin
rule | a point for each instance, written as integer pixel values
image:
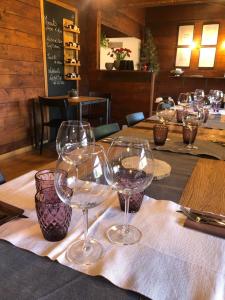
(206, 228)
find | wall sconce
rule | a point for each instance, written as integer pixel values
(223, 45)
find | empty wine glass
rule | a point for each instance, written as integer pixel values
(165, 110)
(85, 187)
(191, 120)
(73, 135)
(184, 99)
(132, 172)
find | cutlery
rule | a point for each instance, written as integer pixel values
(200, 218)
(107, 140)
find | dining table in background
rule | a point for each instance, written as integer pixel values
(79, 102)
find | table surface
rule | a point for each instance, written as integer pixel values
(76, 100)
(202, 188)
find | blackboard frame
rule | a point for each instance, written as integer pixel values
(62, 5)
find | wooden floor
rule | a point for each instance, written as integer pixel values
(23, 163)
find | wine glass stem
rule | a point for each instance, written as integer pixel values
(125, 220)
(85, 224)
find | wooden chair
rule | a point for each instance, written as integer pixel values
(103, 131)
(134, 118)
(95, 113)
(2, 178)
(60, 114)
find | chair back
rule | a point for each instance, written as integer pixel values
(2, 178)
(105, 130)
(134, 118)
(60, 104)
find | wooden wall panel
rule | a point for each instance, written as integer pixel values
(164, 25)
(21, 68)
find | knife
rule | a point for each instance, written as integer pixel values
(200, 218)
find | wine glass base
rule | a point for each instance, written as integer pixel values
(191, 147)
(77, 253)
(124, 235)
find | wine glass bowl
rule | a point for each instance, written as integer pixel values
(132, 171)
(72, 135)
(86, 181)
(165, 110)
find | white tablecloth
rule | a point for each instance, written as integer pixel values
(170, 261)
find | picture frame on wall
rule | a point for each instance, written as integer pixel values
(207, 57)
(183, 57)
(185, 35)
(210, 34)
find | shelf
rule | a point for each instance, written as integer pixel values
(71, 30)
(72, 48)
(198, 77)
(71, 65)
(65, 78)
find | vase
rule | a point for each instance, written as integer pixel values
(109, 66)
(116, 64)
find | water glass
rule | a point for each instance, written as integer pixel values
(189, 134)
(54, 216)
(44, 179)
(160, 133)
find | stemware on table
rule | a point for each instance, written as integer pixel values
(165, 110)
(87, 185)
(132, 172)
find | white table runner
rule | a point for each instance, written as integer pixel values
(170, 261)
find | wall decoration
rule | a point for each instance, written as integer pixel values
(183, 57)
(185, 35)
(210, 34)
(207, 57)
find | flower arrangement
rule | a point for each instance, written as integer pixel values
(119, 53)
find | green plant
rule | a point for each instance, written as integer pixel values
(104, 41)
(149, 55)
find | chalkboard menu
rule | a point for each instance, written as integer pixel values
(53, 21)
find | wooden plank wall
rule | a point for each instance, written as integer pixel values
(164, 25)
(21, 69)
(130, 90)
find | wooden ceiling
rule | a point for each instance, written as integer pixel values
(154, 3)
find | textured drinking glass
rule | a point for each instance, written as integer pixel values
(179, 114)
(206, 115)
(189, 135)
(44, 179)
(160, 133)
(135, 201)
(53, 215)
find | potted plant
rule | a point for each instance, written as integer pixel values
(149, 55)
(119, 54)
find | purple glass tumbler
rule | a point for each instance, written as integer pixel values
(135, 201)
(160, 133)
(189, 134)
(54, 216)
(44, 179)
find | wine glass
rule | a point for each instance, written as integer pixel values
(73, 135)
(85, 187)
(184, 99)
(132, 172)
(192, 118)
(165, 110)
